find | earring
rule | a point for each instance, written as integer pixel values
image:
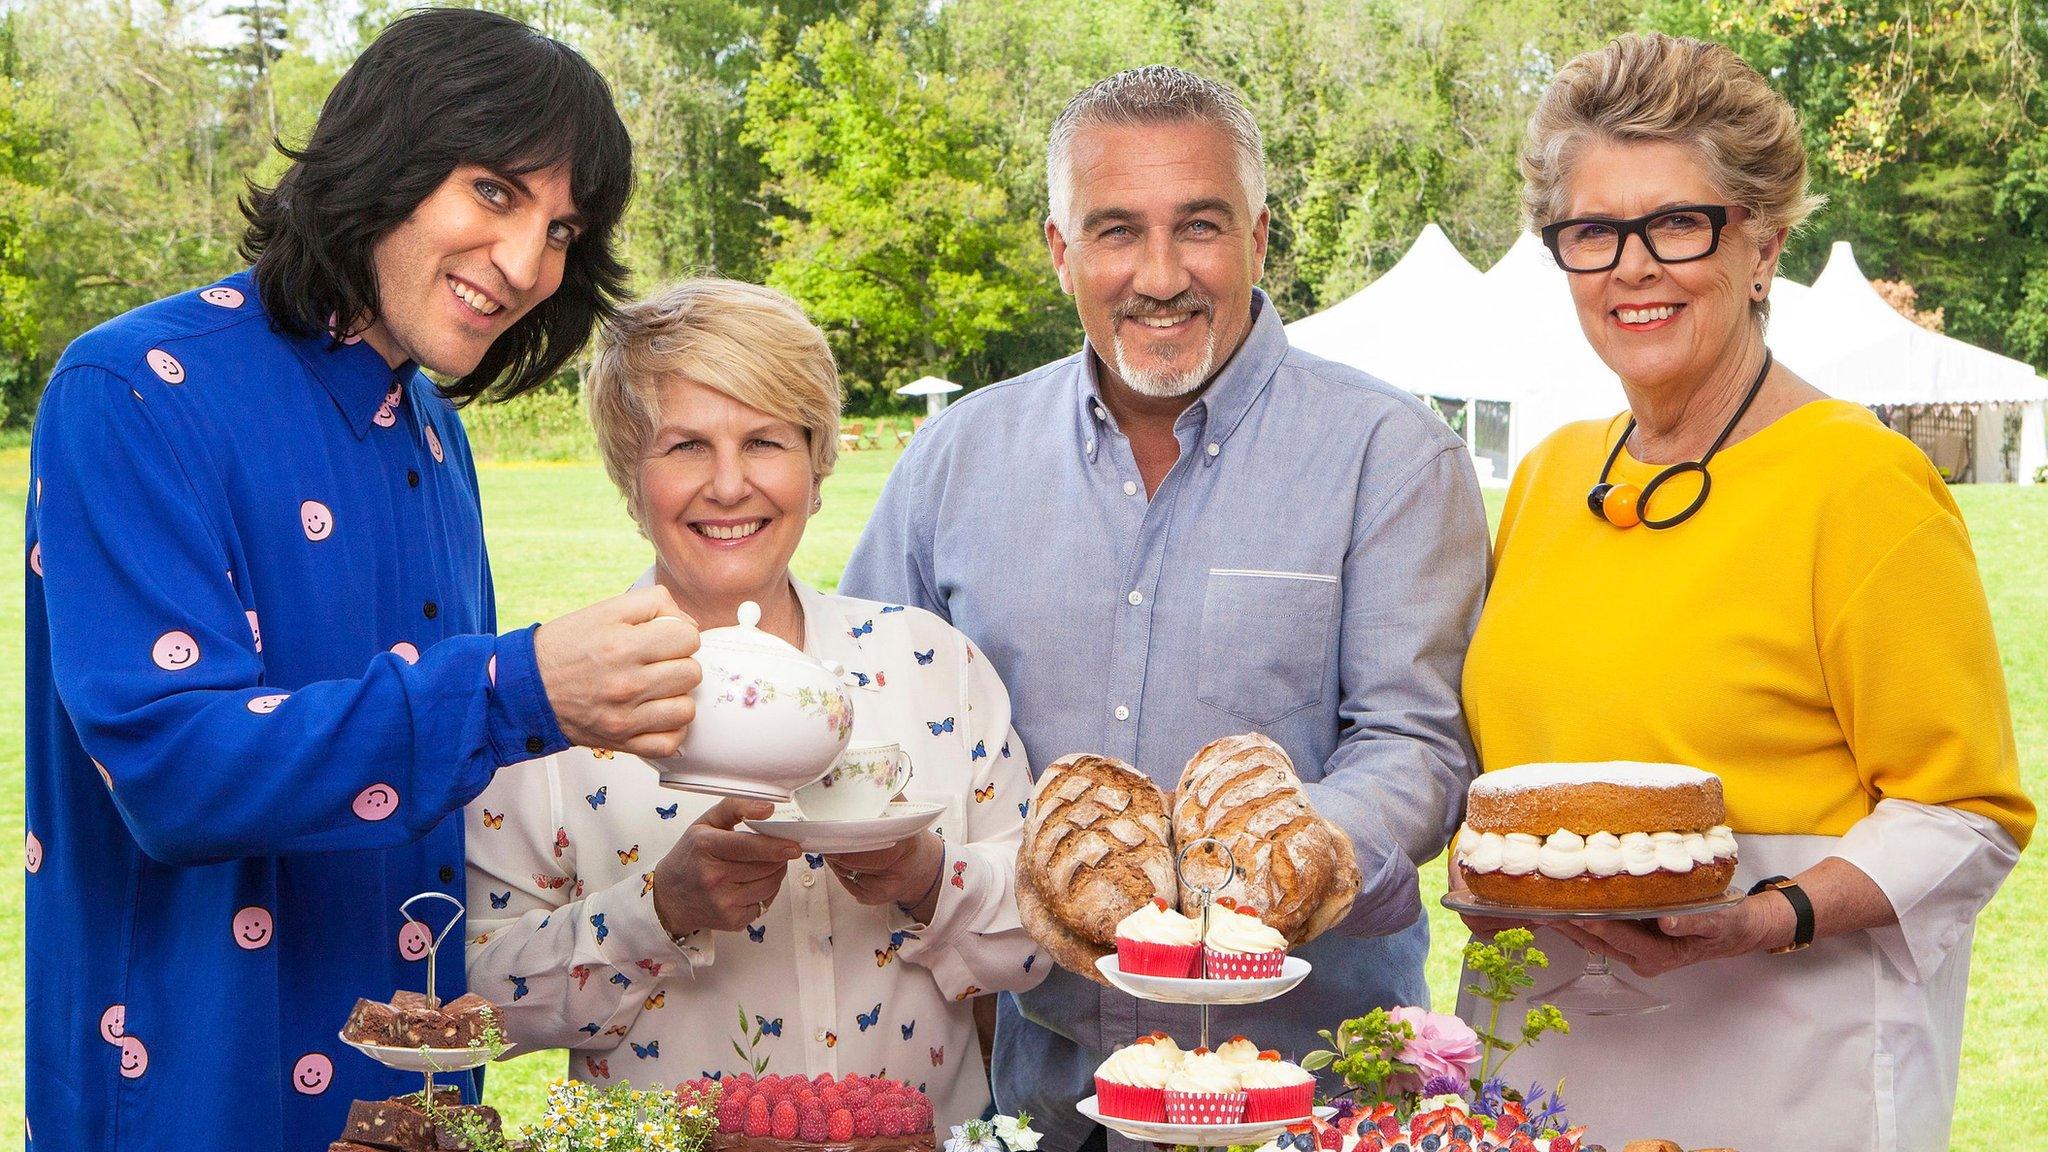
(1759, 286)
(817, 502)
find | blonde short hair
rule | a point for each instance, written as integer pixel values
(752, 343)
(1694, 93)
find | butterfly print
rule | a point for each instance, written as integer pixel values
(602, 1069)
(616, 1030)
(769, 1027)
(549, 883)
(646, 883)
(883, 956)
(1030, 960)
(718, 1075)
(1006, 749)
(980, 751)
(1024, 809)
(651, 967)
(501, 899)
(622, 980)
(581, 974)
(658, 1000)
(831, 1039)
(881, 679)
(984, 795)
(864, 628)
(888, 608)
(860, 679)
(593, 1028)
(945, 725)
(493, 819)
(561, 841)
(518, 986)
(650, 1049)
(868, 1020)
(814, 859)
(597, 922)
(601, 753)
(909, 1029)
(959, 873)
(968, 993)
(757, 932)
(630, 855)
(668, 813)
(897, 938)
(597, 798)
(925, 657)
(938, 1056)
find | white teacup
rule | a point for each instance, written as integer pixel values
(859, 787)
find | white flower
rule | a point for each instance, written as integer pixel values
(1447, 1100)
(1017, 1135)
(973, 1136)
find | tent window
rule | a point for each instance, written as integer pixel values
(1487, 432)
(1947, 434)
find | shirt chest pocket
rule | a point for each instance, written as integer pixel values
(1265, 641)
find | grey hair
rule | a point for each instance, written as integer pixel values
(1153, 94)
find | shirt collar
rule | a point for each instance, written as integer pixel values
(354, 374)
(1230, 393)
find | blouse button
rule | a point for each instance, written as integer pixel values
(412, 478)
(534, 745)
(809, 880)
(431, 609)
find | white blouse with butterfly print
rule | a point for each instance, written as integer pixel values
(563, 934)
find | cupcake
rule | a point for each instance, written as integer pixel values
(1131, 1084)
(1240, 946)
(1239, 1051)
(1204, 1090)
(1158, 941)
(1275, 1089)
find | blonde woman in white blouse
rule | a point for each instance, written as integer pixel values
(638, 926)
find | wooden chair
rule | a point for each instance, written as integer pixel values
(851, 436)
(903, 435)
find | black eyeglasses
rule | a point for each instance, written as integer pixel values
(1672, 236)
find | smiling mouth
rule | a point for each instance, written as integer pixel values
(1649, 314)
(476, 301)
(1164, 321)
(728, 532)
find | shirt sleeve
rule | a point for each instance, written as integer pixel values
(154, 655)
(975, 942)
(1938, 866)
(1413, 583)
(568, 970)
(892, 561)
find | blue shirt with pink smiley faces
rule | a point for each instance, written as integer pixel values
(261, 675)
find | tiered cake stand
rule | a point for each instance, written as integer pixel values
(428, 1061)
(1204, 994)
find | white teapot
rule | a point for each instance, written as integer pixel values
(770, 717)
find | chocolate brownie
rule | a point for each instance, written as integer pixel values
(371, 1023)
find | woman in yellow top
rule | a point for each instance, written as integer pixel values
(1808, 625)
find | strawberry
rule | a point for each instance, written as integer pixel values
(839, 1126)
(785, 1123)
(757, 1123)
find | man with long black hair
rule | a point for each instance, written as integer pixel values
(262, 667)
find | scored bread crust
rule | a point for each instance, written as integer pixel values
(1589, 807)
(1297, 868)
(1094, 850)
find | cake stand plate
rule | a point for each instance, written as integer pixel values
(427, 1059)
(1471, 905)
(900, 820)
(1198, 1135)
(1172, 990)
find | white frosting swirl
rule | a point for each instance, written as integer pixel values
(1273, 1074)
(1204, 1072)
(1238, 1050)
(1152, 924)
(1139, 1065)
(1233, 931)
(1563, 854)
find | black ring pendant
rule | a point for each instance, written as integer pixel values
(1684, 514)
(1597, 498)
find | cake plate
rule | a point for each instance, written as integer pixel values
(1594, 990)
(428, 1061)
(1202, 994)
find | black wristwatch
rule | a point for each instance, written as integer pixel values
(1802, 910)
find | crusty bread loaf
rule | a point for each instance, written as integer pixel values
(1295, 866)
(1094, 849)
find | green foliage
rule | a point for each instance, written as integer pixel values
(1365, 1052)
(1502, 967)
(544, 424)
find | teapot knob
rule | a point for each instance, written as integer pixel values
(750, 614)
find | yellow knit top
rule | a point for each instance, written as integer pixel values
(1816, 634)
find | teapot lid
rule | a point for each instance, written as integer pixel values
(747, 636)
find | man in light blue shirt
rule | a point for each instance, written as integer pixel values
(1188, 530)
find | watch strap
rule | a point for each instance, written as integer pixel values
(1802, 910)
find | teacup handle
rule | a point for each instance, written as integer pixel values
(904, 770)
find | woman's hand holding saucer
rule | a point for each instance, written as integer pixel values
(906, 873)
(719, 878)
(1674, 942)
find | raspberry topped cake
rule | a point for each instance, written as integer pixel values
(819, 1114)
(1616, 835)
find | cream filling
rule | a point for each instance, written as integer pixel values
(1563, 855)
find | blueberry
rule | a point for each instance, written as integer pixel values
(1432, 1142)
(1461, 1132)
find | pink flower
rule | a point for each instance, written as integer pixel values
(1442, 1045)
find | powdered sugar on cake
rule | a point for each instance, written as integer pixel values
(1629, 773)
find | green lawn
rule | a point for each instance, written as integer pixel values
(560, 538)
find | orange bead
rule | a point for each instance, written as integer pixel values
(1621, 507)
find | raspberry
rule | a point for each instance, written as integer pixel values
(839, 1126)
(742, 1080)
(864, 1125)
(894, 1122)
(785, 1124)
(859, 1097)
(821, 1080)
(757, 1123)
(833, 1097)
(812, 1129)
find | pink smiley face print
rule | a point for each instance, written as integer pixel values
(114, 1023)
(165, 366)
(255, 630)
(376, 802)
(414, 940)
(312, 1074)
(265, 705)
(393, 395)
(35, 557)
(317, 519)
(434, 444)
(134, 1058)
(175, 651)
(32, 853)
(385, 417)
(406, 651)
(252, 927)
(222, 296)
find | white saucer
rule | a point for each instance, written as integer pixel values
(1172, 990)
(427, 1059)
(901, 819)
(1199, 1135)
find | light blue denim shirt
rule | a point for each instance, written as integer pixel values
(1311, 568)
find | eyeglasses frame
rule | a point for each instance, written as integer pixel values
(1718, 217)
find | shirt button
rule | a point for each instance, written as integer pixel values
(1100, 414)
(1123, 713)
(821, 1035)
(809, 879)
(412, 478)
(431, 609)
(447, 874)
(1214, 449)
(534, 745)
(1089, 447)
(1130, 488)
(1136, 598)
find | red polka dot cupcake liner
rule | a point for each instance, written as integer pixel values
(1130, 1101)
(1243, 965)
(1145, 958)
(1204, 1107)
